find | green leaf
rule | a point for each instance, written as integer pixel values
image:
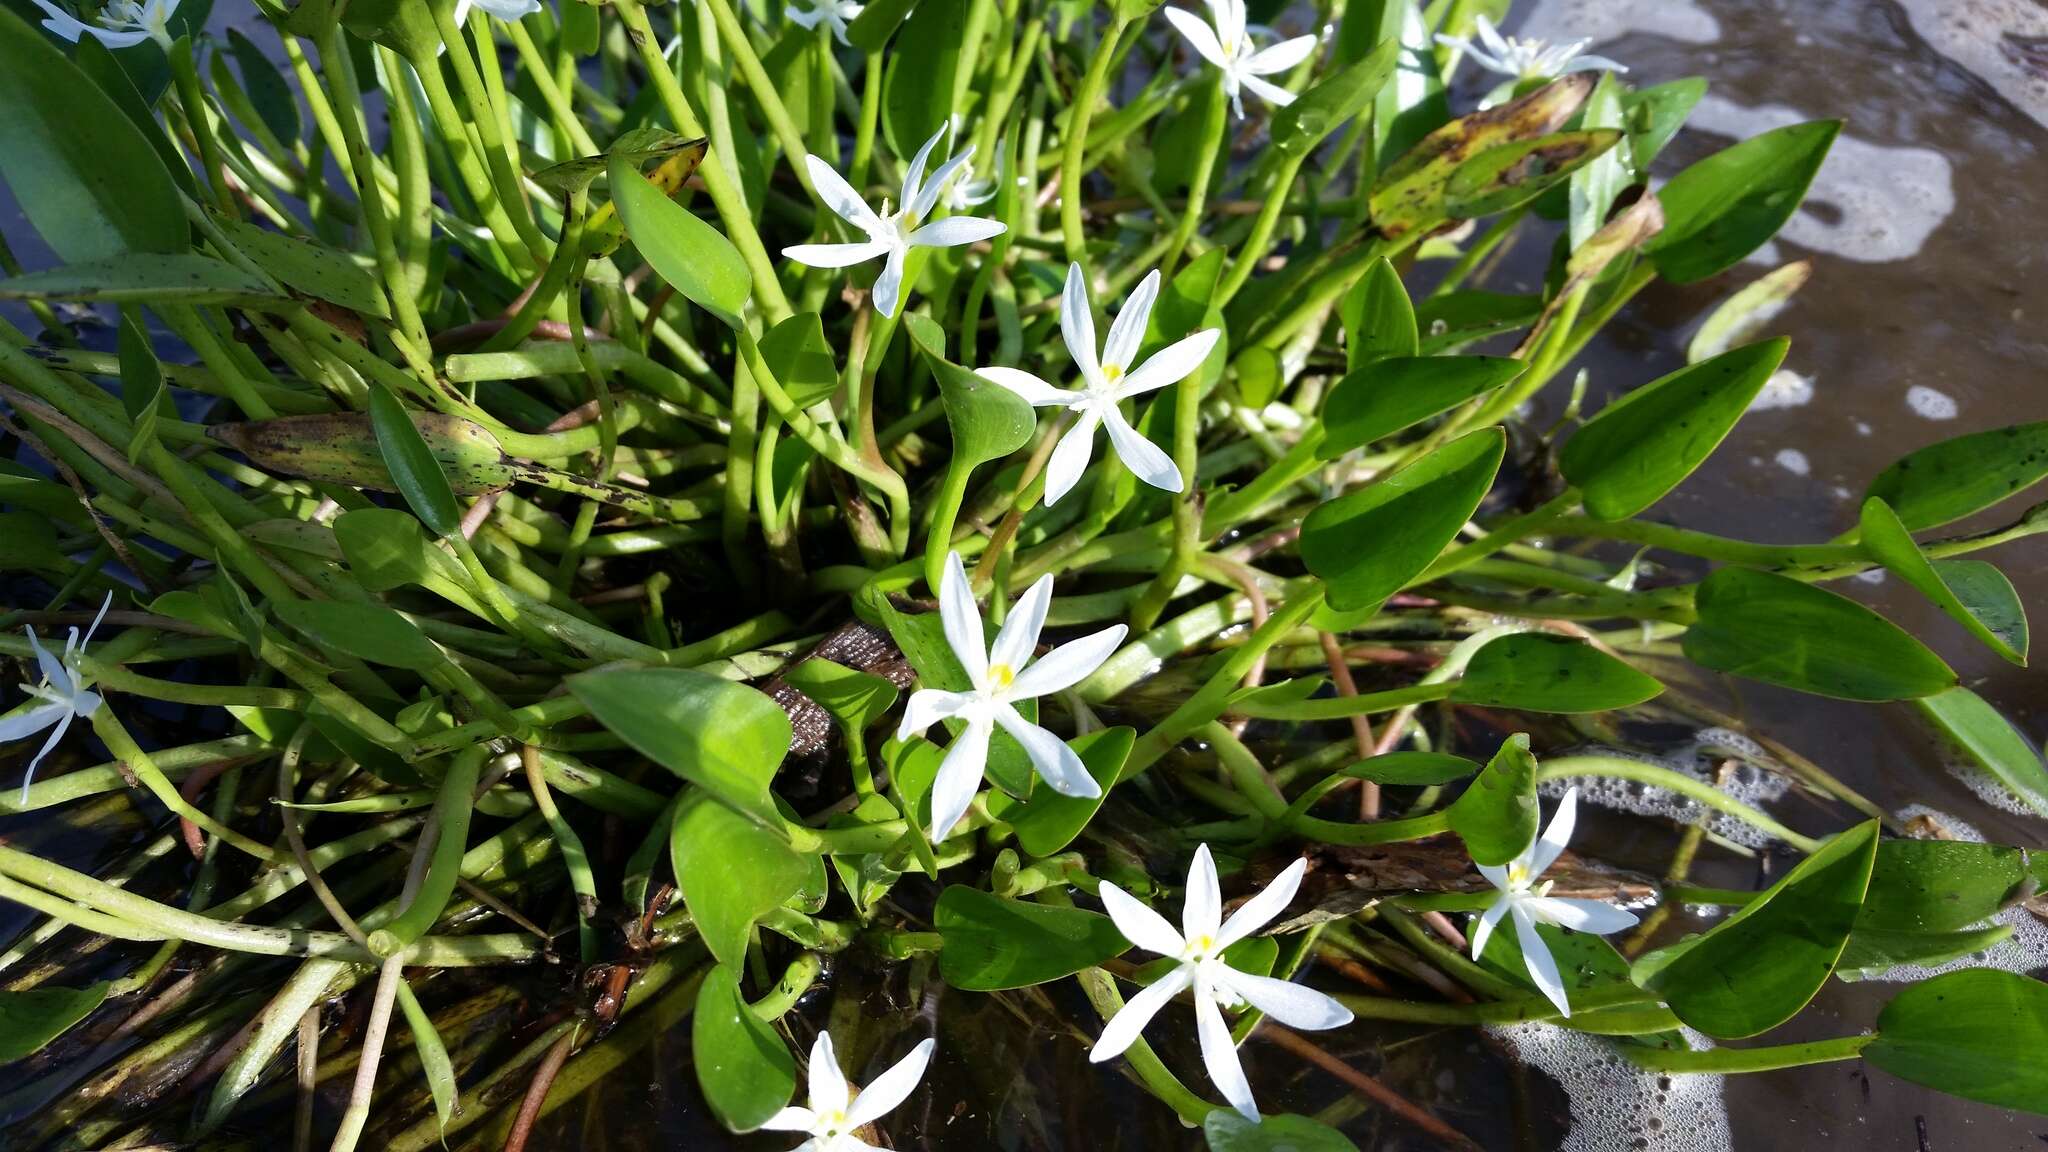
(310, 269)
(344, 448)
(1411, 193)
(434, 1061)
(1872, 952)
(1945, 482)
(1394, 392)
(1758, 968)
(414, 471)
(723, 737)
(641, 146)
(1743, 315)
(368, 632)
(1379, 319)
(1049, 821)
(1366, 545)
(1655, 114)
(33, 1017)
(796, 352)
(1639, 447)
(878, 21)
(1782, 631)
(1943, 885)
(988, 420)
(1541, 672)
(1501, 178)
(1990, 742)
(1337, 97)
(1496, 816)
(122, 77)
(1972, 1034)
(1724, 207)
(183, 278)
(86, 177)
(1989, 597)
(692, 256)
(142, 382)
(992, 943)
(855, 699)
(732, 872)
(1229, 1132)
(744, 1068)
(1456, 319)
(1594, 188)
(1412, 769)
(917, 89)
(1890, 544)
(386, 549)
(268, 90)
(922, 638)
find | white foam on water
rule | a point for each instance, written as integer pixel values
(1793, 460)
(2026, 950)
(1747, 782)
(1988, 788)
(1614, 1104)
(1869, 576)
(1602, 20)
(1785, 389)
(1885, 201)
(1983, 37)
(1930, 404)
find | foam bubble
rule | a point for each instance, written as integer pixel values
(1930, 404)
(1614, 1104)
(1982, 36)
(1785, 389)
(1793, 460)
(1990, 789)
(1750, 779)
(1603, 20)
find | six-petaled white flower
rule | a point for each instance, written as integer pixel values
(122, 23)
(833, 14)
(1001, 677)
(836, 1112)
(1525, 59)
(1228, 46)
(1199, 947)
(892, 234)
(62, 692)
(1105, 383)
(1531, 904)
(502, 9)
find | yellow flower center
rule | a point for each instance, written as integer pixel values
(1001, 676)
(1111, 373)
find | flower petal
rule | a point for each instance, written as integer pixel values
(829, 1092)
(889, 285)
(1268, 91)
(956, 230)
(807, 20)
(1579, 915)
(1219, 1056)
(22, 725)
(1200, 36)
(113, 39)
(1138, 1011)
(1230, 19)
(1496, 874)
(1541, 964)
(1070, 457)
(54, 673)
(961, 617)
(1482, 928)
(1490, 36)
(1127, 331)
(1280, 57)
(1170, 364)
(891, 1088)
(928, 195)
(1260, 910)
(833, 189)
(1555, 837)
(509, 9)
(1148, 461)
(1018, 638)
(928, 706)
(960, 775)
(1594, 64)
(1077, 324)
(791, 1119)
(1139, 923)
(1068, 664)
(836, 255)
(913, 176)
(1291, 1004)
(1035, 391)
(1201, 910)
(1050, 756)
(62, 23)
(95, 625)
(62, 724)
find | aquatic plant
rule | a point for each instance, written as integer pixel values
(546, 616)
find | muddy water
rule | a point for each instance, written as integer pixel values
(1925, 318)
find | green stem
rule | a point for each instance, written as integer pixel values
(1075, 139)
(1657, 776)
(1724, 1061)
(1254, 247)
(450, 821)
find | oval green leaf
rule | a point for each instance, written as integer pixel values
(414, 471)
(1639, 447)
(32, 1017)
(1049, 821)
(1541, 672)
(1943, 885)
(1781, 631)
(1366, 545)
(1889, 543)
(311, 269)
(1758, 968)
(1972, 1034)
(1990, 742)
(1229, 1132)
(1378, 317)
(724, 737)
(797, 354)
(732, 872)
(992, 943)
(147, 277)
(1496, 816)
(366, 631)
(1947, 481)
(988, 420)
(434, 1062)
(744, 1068)
(1394, 392)
(1301, 125)
(1501, 178)
(692, 256)
(1724, 207)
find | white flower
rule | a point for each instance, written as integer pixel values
(970, 193)
(1107, 382)
(1199, 947)
(836, 1112)
(1529, 59)
(1531, 904)
(1228, 46)
(62, 692)
(833, 14)
(892, 235)
(502, 9)
(1001, 679)
(122, 23)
